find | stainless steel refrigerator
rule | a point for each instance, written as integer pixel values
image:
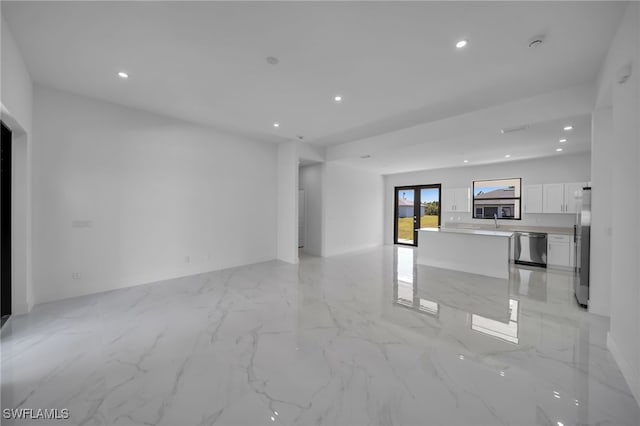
(582, 240)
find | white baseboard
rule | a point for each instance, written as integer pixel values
(351, 250)
(630, 375)
(149, 279)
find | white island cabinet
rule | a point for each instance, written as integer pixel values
(468, 250)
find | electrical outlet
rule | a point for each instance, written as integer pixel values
(75, 275)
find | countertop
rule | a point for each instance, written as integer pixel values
(510, 228)
(486, 232)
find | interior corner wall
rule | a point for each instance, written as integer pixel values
(623, 339)
(601, 211)
(124, 197)
(311, 182)
(16, 99)
(353, 209)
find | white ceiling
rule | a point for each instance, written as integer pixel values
(394, 63)
(487, 146)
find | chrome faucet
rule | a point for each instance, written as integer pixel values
(495, 219)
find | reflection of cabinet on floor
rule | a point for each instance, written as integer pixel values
(560, 251)
(456, 200)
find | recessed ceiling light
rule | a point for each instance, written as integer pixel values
(123, 74)
(461, 44)
(563, 140)
(337, 98)
(465, 161)
(567, 128)
(507, 156)
(276, 124)
(559, 149)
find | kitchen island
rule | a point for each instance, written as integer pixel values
(475, 251)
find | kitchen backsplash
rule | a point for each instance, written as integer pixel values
(533, 219)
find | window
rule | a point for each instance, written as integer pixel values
(416, 206)
(497, 198)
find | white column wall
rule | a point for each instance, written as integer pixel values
(287, 238)
(624, 337)
(601, 211)
(353, 209)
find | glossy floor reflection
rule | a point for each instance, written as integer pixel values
(365, 339)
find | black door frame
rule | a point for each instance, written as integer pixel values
(5, 221)
(416, 209)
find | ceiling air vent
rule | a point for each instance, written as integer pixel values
(506, 130)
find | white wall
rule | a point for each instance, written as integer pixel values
(16, 100)
(311, 182)
(353, 206)
(165, 198)
(623, 162)
(601, 211)
(559, 169)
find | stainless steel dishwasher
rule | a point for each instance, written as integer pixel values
(530, 248)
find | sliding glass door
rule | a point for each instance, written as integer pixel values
(415, 207)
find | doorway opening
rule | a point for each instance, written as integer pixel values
(5, 224)
(415, 207)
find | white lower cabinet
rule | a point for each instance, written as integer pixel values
(560, 251)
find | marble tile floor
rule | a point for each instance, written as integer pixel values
(363, 339)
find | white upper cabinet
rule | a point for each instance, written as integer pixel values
(463, 200)
(561, 197)
(456, 200)
(572, 194)
(532, 199)
(553, 198)
(448, 200)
